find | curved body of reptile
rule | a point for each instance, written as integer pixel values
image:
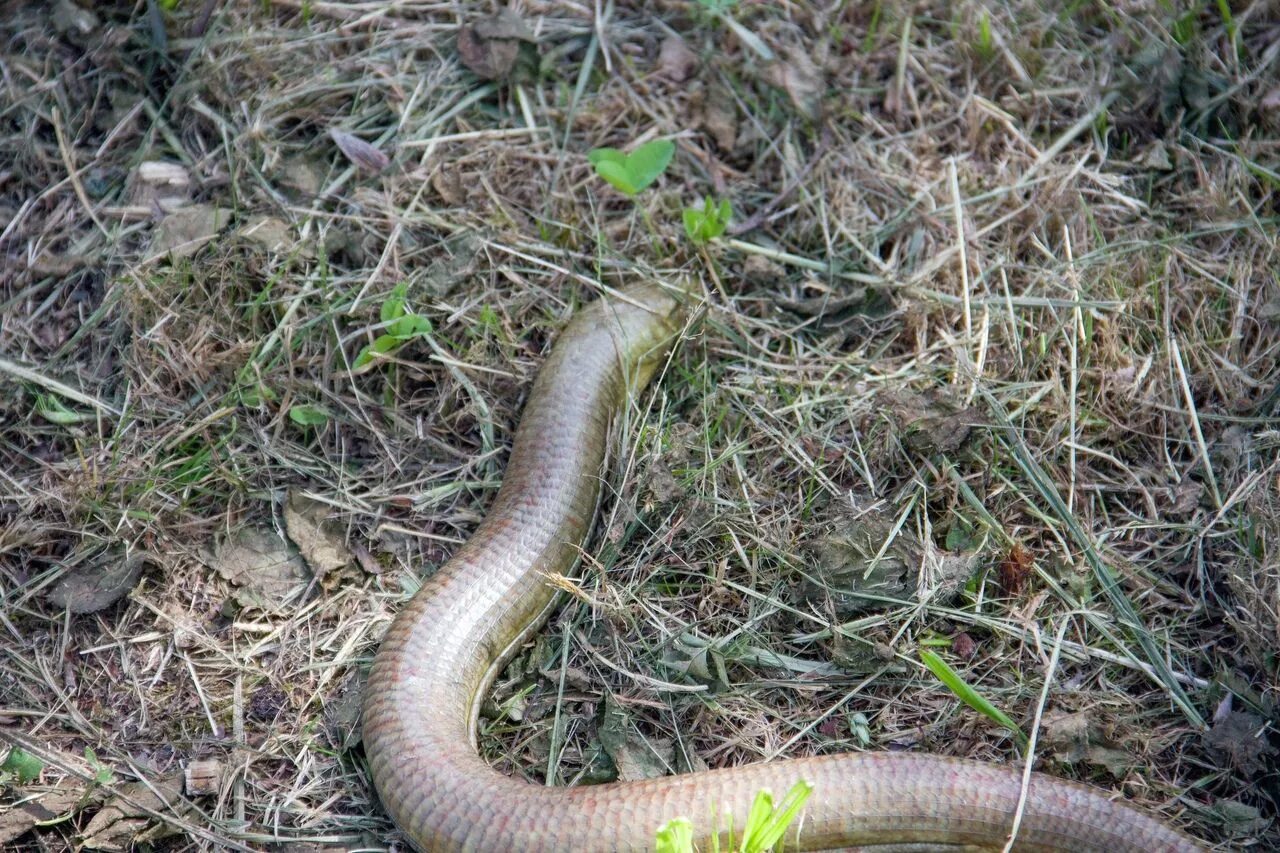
(443, 650)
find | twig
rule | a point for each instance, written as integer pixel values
(28, 375)
(72, 173)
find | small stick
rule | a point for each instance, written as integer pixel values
(65, 150)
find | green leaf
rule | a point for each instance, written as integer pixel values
(708, 223)
(596, 156)
(308, 415)
(785, 814)
(617, 175)
(693, 224)
(630, 173)
(394, 307)
(969, 695)
(761, 808)
(767, 823)
(675, 836)
(22, 766)
(102, 774)
(381, 345)
(55, 411)
(649, 161)
(409, 326)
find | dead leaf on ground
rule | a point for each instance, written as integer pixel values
(1015, 568)
(718, 116)
(271, 234)
(851, 569)
(322, 543)
(929, 423)
(801, 79)
(98, 583)
(760, 271)
(182, 232)
(125, 822)
(636, 757)
(1072, 738)
(1240, 741)
(363, 155)
(1238, 819)
(489, 47)
(266, 569)
(676, 61)
(32, 809)
(661, 484)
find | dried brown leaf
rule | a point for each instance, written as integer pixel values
(719, 117)
(182, 232)
(489, 47)
(676, 61)
(363, 155)
(1240, 741)
(507, 24)
(801, 79)
(322, 545)
(125, 822)
(33, 809)
(98, 584)
(636, 757)
(265, 568)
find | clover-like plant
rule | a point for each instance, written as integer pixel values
(401, 325)
(630, 173)
(703, 226)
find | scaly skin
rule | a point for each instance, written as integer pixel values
(444, 649)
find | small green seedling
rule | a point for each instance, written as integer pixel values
(102, 774)
(401, 325)
(766, 824)
(307, 415)
(969, 695)
(707, 224)
(675, 836)
(985, 45)
(55, 411)
(630, 173)
(21, 767)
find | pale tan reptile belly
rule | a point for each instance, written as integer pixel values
(443, 649)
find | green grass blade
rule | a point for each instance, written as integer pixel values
(969, 695)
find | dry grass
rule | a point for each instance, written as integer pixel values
(1064, 365)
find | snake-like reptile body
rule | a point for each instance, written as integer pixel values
(443, 650)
